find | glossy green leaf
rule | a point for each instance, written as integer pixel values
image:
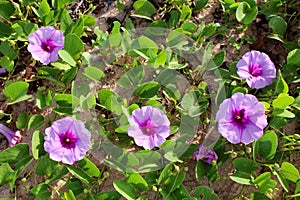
(69, 75)
(278, 25)
(137, 181)
(125, 189)
(65, 56)
(148, 90)
(144, 7)
(40, 191)
(109, 195)
(174, 181)
(282, 101)
(265, 182)
(6, 9)
(14, 154)
(205, 193)
(37, 144)
(93, 73)
(22, 120)
(35, 121)
(282, 180)
(281, 85)
(200, 4)
(244, 165)
(241, 177)
(6, 173)
(16, 92)
(69, 195)
(289, 171)
(45, 166)
(89, 167)
(5, 30)
(266, 146)
(245, 13)
(75, 185)
(80, 174)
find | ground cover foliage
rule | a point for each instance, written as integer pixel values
(150, 95)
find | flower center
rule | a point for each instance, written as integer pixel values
(255, 70)
(47, 46)
(239, 116)
(147, 130)
(68, 140)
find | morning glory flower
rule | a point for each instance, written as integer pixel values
(13, 137)
(207, 155)
(45, 43)
(257, 69)
(149, 127)
(67, 140)
(2, 70)
(241, 118)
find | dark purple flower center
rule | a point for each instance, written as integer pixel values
(47, 46)
(68, 140)
(146, 127)
(239, 116)
(255, 70)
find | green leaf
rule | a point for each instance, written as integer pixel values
(266, 146)
(40, 191)
(77, 27)
(245, 13)
(69, 195)
(44, 9)
(109, 195)
(165, 174)
(22, 120)
(6, 173)
(208, 170)
(174, 181)
(35, 121)
(6, 9)
(89, 167)
(14, 154)
(7, 50)
(148, 90)
(69, 75)
(282, 180)
(281, 85)
(205, 193)
(65, 56)
(200, 4)
(282, 101)
(63, 100)
(45, 166)
(186, 13)
(37, 144)
(241, 177)
(144, 7)
(80, 174)
(283, 113)
(58, 172)
(6, 62)
(75, 185)
(278, 25)
(289, 171)
(293, 57)
(89, 20)
(40, 100)
(137, 181)
(297, 190)
(93, 73)
(16, 92)
(264, 182)
(125, 189)
(173, 19)
(244, 165)
(5, 30)
(258, 196)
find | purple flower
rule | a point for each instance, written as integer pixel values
(149, 127)
(241, 118)
(45, 43)
(67, 140)
(13, 137)
(3, 70)
(205, 154)
(257, 68)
